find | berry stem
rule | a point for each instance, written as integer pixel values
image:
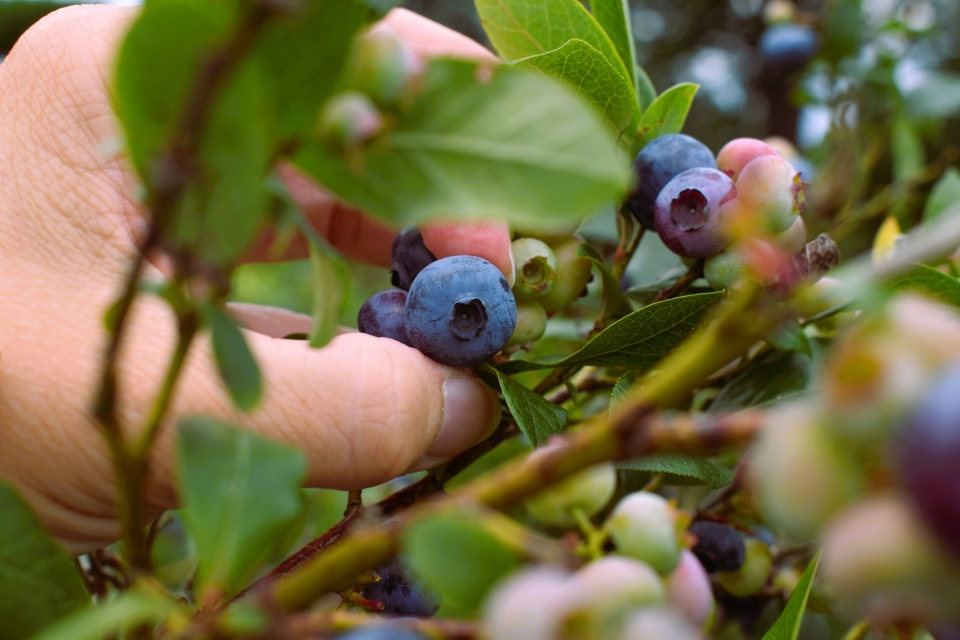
(857, 631)
(593, 538)
(674, 290)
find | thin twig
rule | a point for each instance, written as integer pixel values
(678, 287)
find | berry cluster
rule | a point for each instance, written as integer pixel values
(457, 310)
(738, 212)
(460, 310)
(869, 465)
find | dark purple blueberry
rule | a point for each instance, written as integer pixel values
(381, 316)
(408, 257)
(929, 451)
(460, 311)
(719, 546)
(788, 45)
(659, 162)
(402, 593)
(692, 212)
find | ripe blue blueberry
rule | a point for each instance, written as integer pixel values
(928, 455)
(387, 632)
(402, 593)
(408, 257)
(658, 163)
(692, 212)
(719, 546)
(460, 311)
(381, 316)
(788, 45)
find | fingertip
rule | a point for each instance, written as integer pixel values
(487, 240)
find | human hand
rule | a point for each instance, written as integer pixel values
(363, 409)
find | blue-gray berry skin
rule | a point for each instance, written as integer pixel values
(387, 632)
(460, 311)
(788, 45)
(402, 594)
(719, 546)
(408, 257)
(381, 316)
(659, 162)
(692, 212)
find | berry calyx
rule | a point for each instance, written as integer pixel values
(693, 211)
(536, 269)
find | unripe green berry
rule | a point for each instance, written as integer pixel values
(726, 270)
(646, 527)
(531, 323)
(573, 274)
(536, 269)
(348, 120)
(588, 491)
(750, 577)
(793, 239)
(611, 585)
(383, 66)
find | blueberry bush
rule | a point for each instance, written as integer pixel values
(713, 427)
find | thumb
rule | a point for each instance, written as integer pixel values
(364, 410)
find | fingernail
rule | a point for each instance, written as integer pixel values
(470, 412)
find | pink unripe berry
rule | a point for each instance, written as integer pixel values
(738, 153)
(770, 189)
(688, 590)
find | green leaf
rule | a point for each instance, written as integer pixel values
(550, 155)
(537, 417)
(301, 69)
(787, 626)
(237, 366)
(622, 388)
(524, 28)
(637, 341)
(934, 283)
(679, 464)
(155, 71)
(646, 92)
(239, 493)
(127, 611)
(613, 301)
(907, 149)
(330, 278)
(945, 194)
(379, 8)
(594, 79)
(614, 17)
(222, 208)
(773, 375)
(456, 556)
(790, 337)
(39, 581)
(666, 115)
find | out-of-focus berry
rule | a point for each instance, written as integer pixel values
(529, 605)
(573, 274)
(738, 153)
(659, 624)
(752, 575)
(659, 162)
(800, 475)
(381, 316)
(788, 45)
(645, 526)
(726, 270)
(348, 120)
(536, 269)
(531, 323)
(931, 329)
(589, 490)
(719, 546)
(928, 453)
(386, 632)
(693, 211)
(878, 558)
(771, 192)
(608, 587)
(689, 591)
(401, 592)
(383, 66)
(408, 257)
(794, 238)
(776, 11)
